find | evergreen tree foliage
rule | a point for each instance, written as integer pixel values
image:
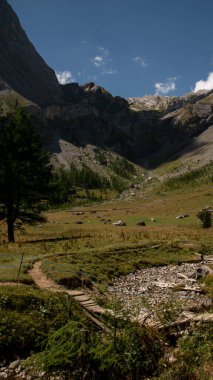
(123, 168)
(205, 217)
(66, 181)
(24, 172)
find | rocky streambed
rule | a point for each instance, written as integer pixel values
(150, 292)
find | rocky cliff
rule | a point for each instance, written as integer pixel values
(21, 67)
(150, 132)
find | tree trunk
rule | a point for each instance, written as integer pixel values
(10, 231)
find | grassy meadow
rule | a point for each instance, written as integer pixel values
(80, 248)
(84, 240)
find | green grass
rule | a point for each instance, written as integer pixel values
(28, 315)
(208, 282)
(169, 167)
(61, 235)
(193, 178)
(101, 266)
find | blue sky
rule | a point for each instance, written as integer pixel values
(130, 47)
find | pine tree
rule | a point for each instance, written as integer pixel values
(24, 171)
(204, 216)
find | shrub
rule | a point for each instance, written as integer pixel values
(204, 216)
(195, 354)
(123, 168)
(20, 333)
(83, 353)
(27, 316)
(67, 349)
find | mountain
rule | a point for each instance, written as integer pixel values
(147, 130)
(148, 134)
(21, 67)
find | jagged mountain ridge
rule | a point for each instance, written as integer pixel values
(165, 104)
(146, 130)
(93, 116)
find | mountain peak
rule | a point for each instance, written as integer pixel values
(21, 67)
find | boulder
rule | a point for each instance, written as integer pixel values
(141, 224)
(119, 223)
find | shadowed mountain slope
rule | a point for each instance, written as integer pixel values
(21, 67)
(148, 130)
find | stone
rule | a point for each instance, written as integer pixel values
(14, 364)
(141, 224)
(153, 286)
(3, 375)
(183, 216)
(119, 223)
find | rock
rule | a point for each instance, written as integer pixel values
(172, 359)
(3, 375)
(207, 270)
(42, 374)
(141, 224)
(153, 286)
(14, 364)
(152, 219)
(183, 216)
(119, 223)
(201, 272)
(181, 275)
(23, 374)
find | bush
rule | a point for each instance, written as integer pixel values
(195, 354)
(67, 349)
(83, 353)
(123, 168)
(132, 353)
(204, 216)
(27, 316)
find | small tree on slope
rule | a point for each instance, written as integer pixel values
(204, 216)
(24, 172)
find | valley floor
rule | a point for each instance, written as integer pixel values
(81, 250)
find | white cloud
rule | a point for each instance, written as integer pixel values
(110, 72)
(102, 62)
(98, 61)
(163, 88)
(102, 57)
(65, 77)
(204, 84)
(140, 61)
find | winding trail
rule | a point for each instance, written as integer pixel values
(89, 307)
(84, 300)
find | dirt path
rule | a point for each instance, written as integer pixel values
(11, 283)
(83, 299)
